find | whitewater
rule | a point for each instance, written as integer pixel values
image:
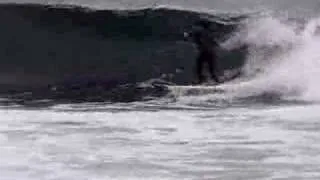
(263, 125)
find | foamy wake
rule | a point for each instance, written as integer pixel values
(283, 58)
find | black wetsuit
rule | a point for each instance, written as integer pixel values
(206, 46)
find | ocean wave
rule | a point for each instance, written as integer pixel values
(43, 46)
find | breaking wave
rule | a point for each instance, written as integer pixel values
(83, 54)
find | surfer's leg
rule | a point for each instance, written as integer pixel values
(199, 67)
(211, 59)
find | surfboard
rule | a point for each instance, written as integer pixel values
(210, 87)
(194, 90)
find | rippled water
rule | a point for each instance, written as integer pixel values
(119, 142)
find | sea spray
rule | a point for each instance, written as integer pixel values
(283, 58)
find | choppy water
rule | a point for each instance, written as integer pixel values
(149, 142)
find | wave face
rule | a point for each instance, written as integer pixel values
(80, 54)
(44, 45)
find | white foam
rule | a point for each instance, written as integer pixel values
(283, 58)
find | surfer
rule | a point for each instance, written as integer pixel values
(206, 46)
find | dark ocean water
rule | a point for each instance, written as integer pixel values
(85, 52)
(57, 63)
